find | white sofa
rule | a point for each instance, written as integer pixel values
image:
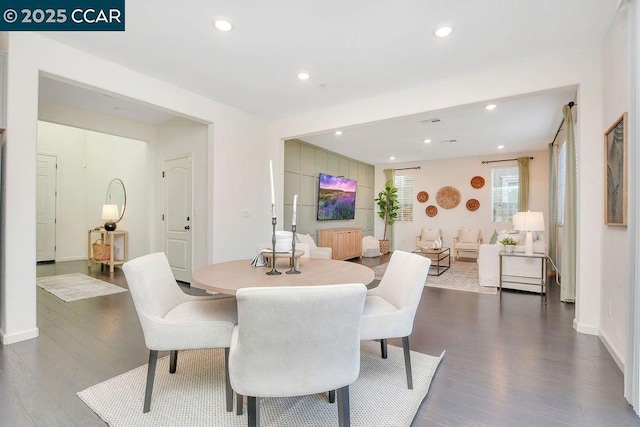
(489, 265)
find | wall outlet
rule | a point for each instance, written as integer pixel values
(246, 213)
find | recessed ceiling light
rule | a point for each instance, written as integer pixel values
(223, 24)
(392, 158)
(303, 75)
(338, 132)
(500, 147)
(490, 107)
(443, 31)
(426, 141)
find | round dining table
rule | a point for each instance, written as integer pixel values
(228, 277)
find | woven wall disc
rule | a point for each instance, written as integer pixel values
(431, 211)
(477, 182)
(448, 197)
(473, 204)
(423, 196)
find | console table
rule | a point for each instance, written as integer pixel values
(540, 280)
(110, 237)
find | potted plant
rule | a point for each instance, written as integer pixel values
(508, 243)
(388, 206)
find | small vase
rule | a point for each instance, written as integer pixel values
(508, 248)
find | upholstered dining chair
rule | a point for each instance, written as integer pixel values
(390, 308)
(172, 320)
(296, 341)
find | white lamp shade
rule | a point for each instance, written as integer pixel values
(528, 221)
(110, 212)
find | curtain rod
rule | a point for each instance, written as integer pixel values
(404, 169)
(505, 160)
(571, 104)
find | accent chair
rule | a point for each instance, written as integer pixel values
(467, 242)
(296, 341)
(172, 320)
(390, 308)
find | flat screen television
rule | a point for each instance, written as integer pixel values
(336, 198)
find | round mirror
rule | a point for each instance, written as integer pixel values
(117, 195)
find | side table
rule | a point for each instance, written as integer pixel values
(527, 280)
(437, 257)
(109, 237)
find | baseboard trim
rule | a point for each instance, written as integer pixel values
(72, 258)
(20, 336)
(617, 357)
(585, 329)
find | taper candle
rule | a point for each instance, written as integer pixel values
(273, 194)
(295, 205)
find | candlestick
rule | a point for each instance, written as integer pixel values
(273, 194)
(295, 203)
(273, 271)
(293, 248)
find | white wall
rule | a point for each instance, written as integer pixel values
(237, 145)
(87, 163)
(615, 260)
(532, 75)
(178, 138)
(436, 174)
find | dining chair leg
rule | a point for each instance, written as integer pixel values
(383, 348)
(332, 396)
(228, 391)
(344, 417)
(407, 362)
(173, 361)
(151, 373)
(253, 411)
(239, 404)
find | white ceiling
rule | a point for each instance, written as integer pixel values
(525, 123)
(353, 50)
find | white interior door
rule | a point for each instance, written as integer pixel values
(46, 208)
(177, 216)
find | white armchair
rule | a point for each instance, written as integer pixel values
(390, 307)
(315, 250)
(172, 320)
(427, 237)
(467, 242)
(296, 341)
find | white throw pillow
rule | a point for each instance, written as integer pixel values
(306, 238)
(429, 234)
(468, 236)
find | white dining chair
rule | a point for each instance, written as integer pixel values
(172, 320)
(296, 341)
(390, 308)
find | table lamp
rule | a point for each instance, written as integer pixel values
(529, 222)
(110, 214)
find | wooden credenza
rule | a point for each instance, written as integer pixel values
(346, 243)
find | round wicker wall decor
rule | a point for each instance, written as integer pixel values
(448, 197)
(423, 196)
(473, 204)
(431, 211)
(477, 182)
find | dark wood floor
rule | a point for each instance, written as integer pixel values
(515, 363)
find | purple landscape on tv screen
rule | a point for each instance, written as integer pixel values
(336, 198)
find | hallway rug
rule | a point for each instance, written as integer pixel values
(462, 276)
(77, 286)
(194, 395)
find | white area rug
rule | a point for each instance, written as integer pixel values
(77, 286)
(462, 276)
(194, 395)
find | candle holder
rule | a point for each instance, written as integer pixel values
(273, 271)
(293, 252)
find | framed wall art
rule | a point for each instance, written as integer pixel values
(615, 163)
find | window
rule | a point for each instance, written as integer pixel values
(404, 184)
(562, 176)
(504, 193)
